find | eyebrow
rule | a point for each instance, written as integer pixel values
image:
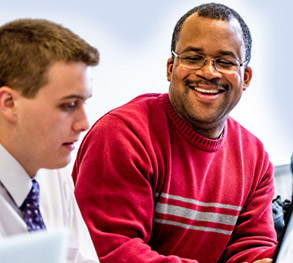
(76, 96)
(195, 49)
(221, 52)
(227, 53)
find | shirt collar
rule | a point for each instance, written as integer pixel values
(14, 178)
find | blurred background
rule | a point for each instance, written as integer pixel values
(134, 37)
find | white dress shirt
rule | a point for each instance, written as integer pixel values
(57, 204)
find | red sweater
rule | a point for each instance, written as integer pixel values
(152, 190)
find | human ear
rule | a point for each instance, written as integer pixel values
(247, 77)
(7, 103)
(170, 63)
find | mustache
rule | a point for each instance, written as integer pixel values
(214, 83)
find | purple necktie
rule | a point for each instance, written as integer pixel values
(30, 209)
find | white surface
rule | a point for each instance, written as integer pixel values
(36, 247)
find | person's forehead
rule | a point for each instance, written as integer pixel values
(198, 23)
(212, 33)
(67, 80)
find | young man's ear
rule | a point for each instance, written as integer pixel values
(8, 97)
(247, 77)
(170, 63)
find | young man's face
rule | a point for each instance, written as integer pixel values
(50, 123)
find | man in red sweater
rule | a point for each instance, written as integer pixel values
(171, 177)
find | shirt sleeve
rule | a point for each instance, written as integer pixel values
(113, 188)
(80, 248)
(254, 236)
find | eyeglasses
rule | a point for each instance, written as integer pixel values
(221, 64)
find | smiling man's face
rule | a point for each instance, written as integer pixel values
(204, 97)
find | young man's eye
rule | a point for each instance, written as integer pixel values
(68, 106)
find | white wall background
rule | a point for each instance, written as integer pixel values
(134, 38)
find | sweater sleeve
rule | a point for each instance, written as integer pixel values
(113, 187)
(254, 236)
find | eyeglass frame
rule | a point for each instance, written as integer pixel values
(240, 64)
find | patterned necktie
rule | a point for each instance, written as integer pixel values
(30, 209)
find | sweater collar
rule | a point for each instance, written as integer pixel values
(188, 133)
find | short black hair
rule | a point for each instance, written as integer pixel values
(217, 12)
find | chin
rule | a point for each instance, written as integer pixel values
(59, 163)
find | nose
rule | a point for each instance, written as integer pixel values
(81, 122)
(208, 70)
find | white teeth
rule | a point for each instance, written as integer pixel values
(206, 91)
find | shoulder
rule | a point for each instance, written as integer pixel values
(137, 114)
(130, 128)
(242, 141)
(141, 105)
(237, 132)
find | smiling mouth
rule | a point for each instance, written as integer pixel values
(208, 91)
